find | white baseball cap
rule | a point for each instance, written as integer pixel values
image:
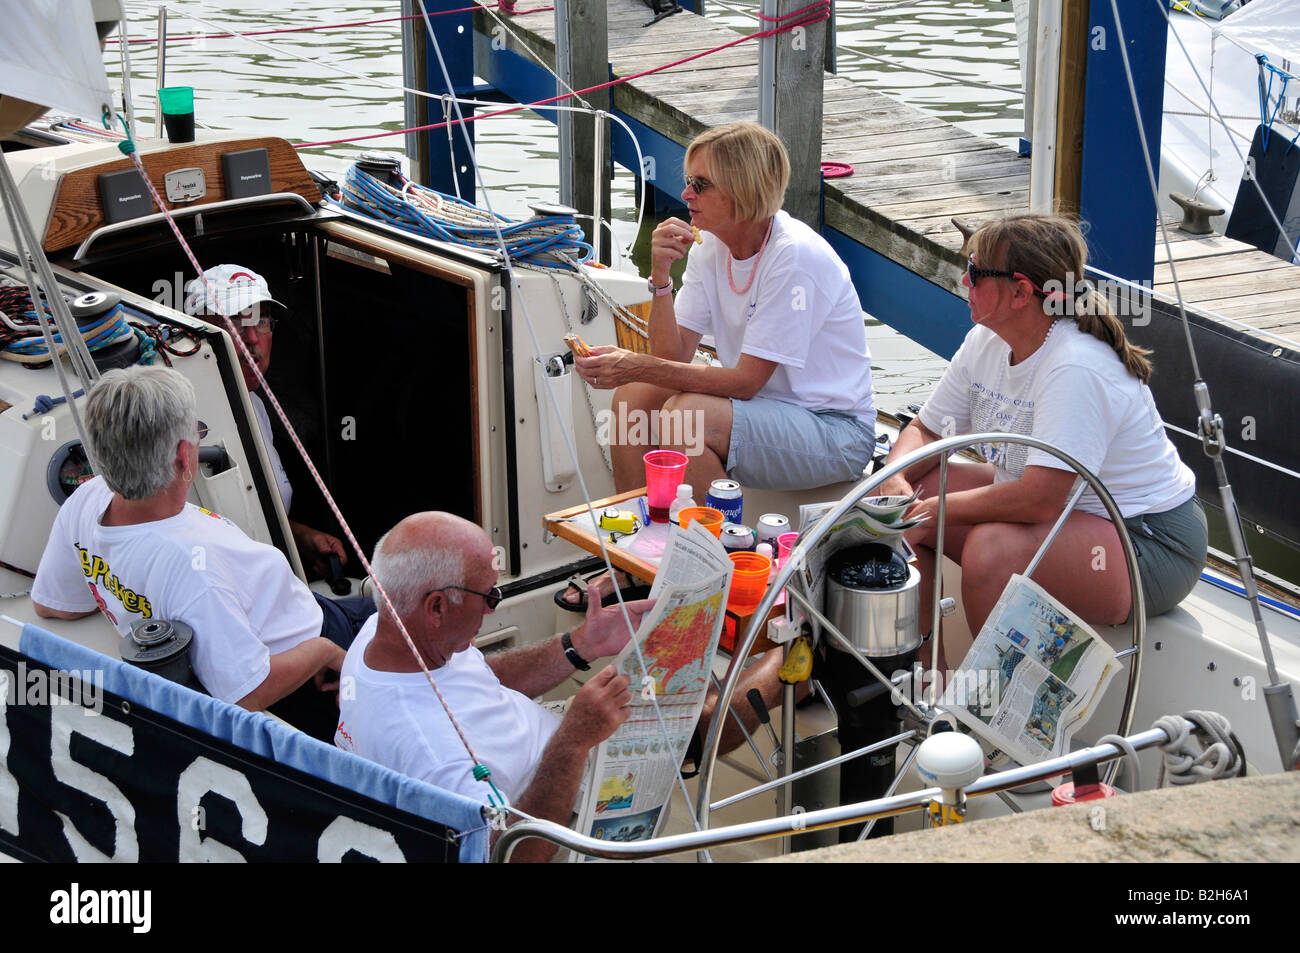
(226, 289)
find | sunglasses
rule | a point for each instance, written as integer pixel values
(492, 597)
(697, 184)
(973, 274)
(264, 324)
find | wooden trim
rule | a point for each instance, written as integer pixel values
(77, 213)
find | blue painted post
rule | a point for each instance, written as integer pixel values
(455, 34)
(1116, 199)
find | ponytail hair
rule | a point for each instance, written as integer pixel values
(1052, 251)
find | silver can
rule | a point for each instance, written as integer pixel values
(770, 526)
(737, 538)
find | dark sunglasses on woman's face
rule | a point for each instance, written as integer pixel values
(697, 184)
(974, 274)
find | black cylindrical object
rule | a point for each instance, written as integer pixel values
(161, 647)
(862, 724)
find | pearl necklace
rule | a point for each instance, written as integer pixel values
(753, 274)
(997, 454)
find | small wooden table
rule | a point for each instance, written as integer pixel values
(561, 523)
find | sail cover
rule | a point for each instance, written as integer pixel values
(1267, 26)
(50, 54)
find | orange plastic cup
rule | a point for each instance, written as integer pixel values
(748, 582)
(706, 516)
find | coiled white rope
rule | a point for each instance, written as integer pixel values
(1131, 757)
(1187, 760)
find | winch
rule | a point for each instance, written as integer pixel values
(161, 647)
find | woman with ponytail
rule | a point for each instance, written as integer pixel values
(1047, 357)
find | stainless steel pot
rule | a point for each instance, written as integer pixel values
(878, 622)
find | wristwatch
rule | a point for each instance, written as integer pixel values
(659, 290)
(570, 653)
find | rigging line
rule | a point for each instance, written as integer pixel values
(760, 34)
(906, 67)
(324, 64)
(567, 434)
(237, 338)
(1241, 453)
(1200, 110)
(1211, 425)
(176, 37)
(469, 101)
(488, 9)
(1197, 73)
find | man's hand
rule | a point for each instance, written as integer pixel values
(604, 632)
(315, 547)
(327, 679)
(597, 710)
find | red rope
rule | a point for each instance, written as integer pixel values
(334, 26)
(835, 170)
(813, 13)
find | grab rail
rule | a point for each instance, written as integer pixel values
(271, 198)
(812, 820)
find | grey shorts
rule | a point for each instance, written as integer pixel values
(1171, 549)
(780, 446)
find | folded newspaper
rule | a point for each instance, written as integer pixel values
(1033, 677)
(631, 775)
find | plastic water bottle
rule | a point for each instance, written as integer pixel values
(683, 500)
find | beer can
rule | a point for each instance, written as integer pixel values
(770, 526)
(726, 497)
(737, 538)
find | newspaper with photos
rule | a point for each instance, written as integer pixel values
(1033, 677)
(877, 519)
(632, 774)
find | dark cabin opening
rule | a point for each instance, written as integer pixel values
(380, 389)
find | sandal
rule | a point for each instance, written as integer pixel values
(630, 589)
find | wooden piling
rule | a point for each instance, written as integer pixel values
(582, 60)
(790, 80)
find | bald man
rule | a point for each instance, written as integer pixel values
(439, 572)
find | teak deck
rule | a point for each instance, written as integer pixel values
(913, 172)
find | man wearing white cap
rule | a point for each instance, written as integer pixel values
(243, 294)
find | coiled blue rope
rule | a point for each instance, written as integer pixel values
(547, 241)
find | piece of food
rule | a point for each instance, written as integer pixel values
(697, 235)
(577, 345)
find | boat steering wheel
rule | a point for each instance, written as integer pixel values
(786, 575)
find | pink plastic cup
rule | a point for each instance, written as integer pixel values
(784, 543)
(664, 470)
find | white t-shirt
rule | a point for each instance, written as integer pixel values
(801, 311)
(264, 425)
(395, 719)
(1074, 393)
(240, 597)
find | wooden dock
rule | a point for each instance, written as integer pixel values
(913, 172)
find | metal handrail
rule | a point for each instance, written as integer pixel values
(813, 820)
(271, 198)
(943, 446)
